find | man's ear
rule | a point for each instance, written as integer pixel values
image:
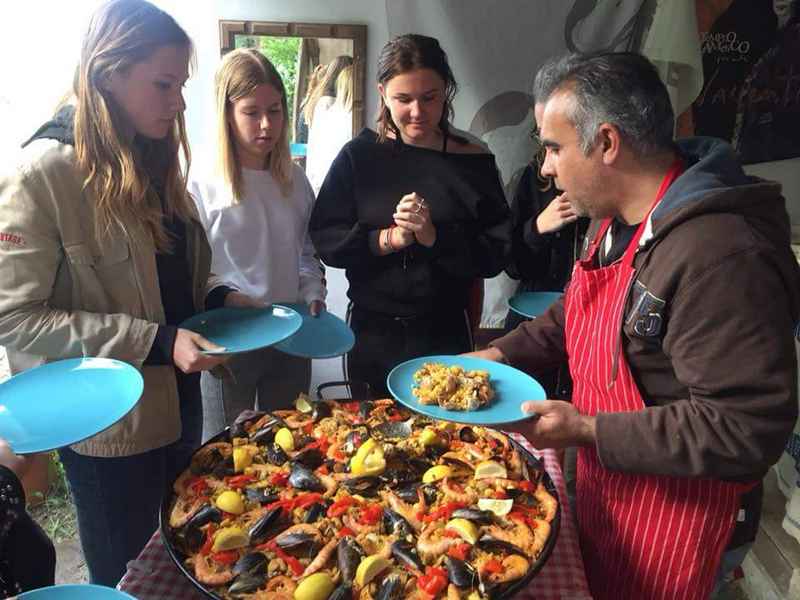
(609, 141)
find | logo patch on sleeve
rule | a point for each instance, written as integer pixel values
(12, 239)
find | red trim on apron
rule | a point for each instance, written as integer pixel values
(642, 536)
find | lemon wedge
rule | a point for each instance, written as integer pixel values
(230, 502)
(466, 529)
(285, 439)
(230, 538)
(490, 468)
(369, 568)
(368, 459)
(428, 437)
(242, 458)
(436, 473)
(500, 507)
(303, 403)
(314, 587)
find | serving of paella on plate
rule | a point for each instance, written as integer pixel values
(362, 500)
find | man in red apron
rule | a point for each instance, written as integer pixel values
(677, 326)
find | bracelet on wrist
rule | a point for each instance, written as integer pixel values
(389, 238)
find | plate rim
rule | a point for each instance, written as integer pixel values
(279, 345)
(82, 586)
(528, 314)
(227, 352)
(78, 360)
(456, 416)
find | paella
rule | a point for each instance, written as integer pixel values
(452, 387)
(361, 500)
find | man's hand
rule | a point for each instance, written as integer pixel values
(240, 300)
(555, 424)
(490, 353)
(556, 215)
(187, 352)
(316, 308)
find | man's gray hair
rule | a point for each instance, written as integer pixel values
(620, 88)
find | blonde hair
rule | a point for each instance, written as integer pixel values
(123, 33)
(344, 89)
(325, 86)
(239, 74)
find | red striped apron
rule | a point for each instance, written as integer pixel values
(642, 536)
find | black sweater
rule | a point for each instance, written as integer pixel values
(358, 198)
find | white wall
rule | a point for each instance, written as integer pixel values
(201, 21)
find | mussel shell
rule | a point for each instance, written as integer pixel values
(348, 556)
(343, 592)
(299, 544)
(406, 553)
(394, 524)
(253, 563)
(487, 542)
(364, 486)
(276, 455)
(460, 573)
(205, 463)
(409, 493)
(391, 587)
(264, 436)
(261, 495)
(207, 514)
(224, 468)
(302, 478)
(467, 434)
(365, 408)
(268, 526)
(397, 477)
(392, 430)
(245, 417)
(315, 512)
(189, 538)
(482, 517)
(246, 583)
(309, 457)
(320, 410)
(356, 437)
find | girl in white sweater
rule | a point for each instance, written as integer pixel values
(256, 213)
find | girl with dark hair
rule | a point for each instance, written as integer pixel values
(414, 214)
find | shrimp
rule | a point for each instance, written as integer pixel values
(547, 503)
(351, 523)
(205, 572)
(281, 585)
(179, 487)
(540, 534)
(321, 558)
(299, 528)
(405, 510)
(452, 593)
(514, 567)
(331, 484)
(518, 534)
(432, 543)
(184, 509)
(467, 495)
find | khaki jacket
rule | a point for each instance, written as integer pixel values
(63, 295)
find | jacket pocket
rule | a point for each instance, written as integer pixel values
(104, 281)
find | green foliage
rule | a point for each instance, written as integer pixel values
(55, 511)
(282, 52)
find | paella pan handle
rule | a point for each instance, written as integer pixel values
(351, 385)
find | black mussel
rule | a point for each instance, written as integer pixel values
(253, 563)
(406, 553)
(276, 455)
(365, 408)
(224, 468)
(363, 486)
(204, 463)
(493, 591)
(298, 543)
(356, 437)
(409, 494)
(482, 517)
(467, 434)
(315, 512)
(320, 410)
(247, 584)
(261, 495)
(391, 587)
(189, 538)
(265, 435)
(207, 514)
(343, 592)
(309, 457)
(238, 429)
(268, 526)
(302, 478)
(398, 477)
(348, 556)
(489, 543)
(392, 430)
(394, 524)
(461, 573)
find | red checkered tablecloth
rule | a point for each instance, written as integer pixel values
(153, 575)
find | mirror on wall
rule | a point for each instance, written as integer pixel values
(323, 70)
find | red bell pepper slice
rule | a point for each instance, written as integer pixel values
(239, 481)
(340, 507)
(459, 551)
(206, 549)
(227, 557)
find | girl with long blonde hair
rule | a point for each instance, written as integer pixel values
(255, 211)
(107, 260)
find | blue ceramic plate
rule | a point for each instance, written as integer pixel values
(75, 592)
(64, 402)
(532, 304)
(511, 386)
(324, 336)
(245, 329)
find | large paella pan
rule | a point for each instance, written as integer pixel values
(363, 500)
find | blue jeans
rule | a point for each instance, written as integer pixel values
(118, 499)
